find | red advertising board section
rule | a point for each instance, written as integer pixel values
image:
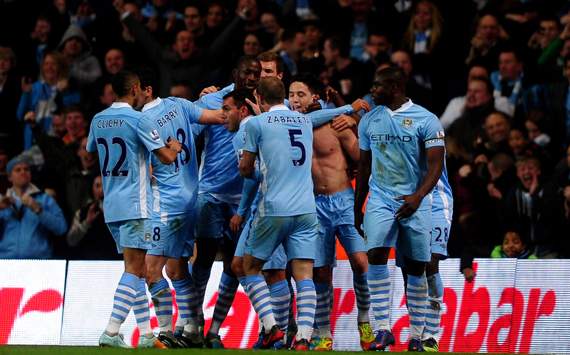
(512, 306)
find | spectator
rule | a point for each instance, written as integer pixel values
(546, 43)
(311, 59)
(378, 44)
(463, 134)
(194, 23)
(41, 41)
(496, 137)
(291, 47)
(181, 90)
(83, 66)
(456, 106)
(533, 206)
(347, 76)
(271, 26)
(562, 171)
(514, 246)
(88, 235)
(29, 217)
(10, 128)
(41, 99)
(251, 45)
(510, 80)
(487, 42)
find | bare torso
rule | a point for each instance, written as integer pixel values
(330, 165)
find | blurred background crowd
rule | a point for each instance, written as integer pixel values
(497, 73)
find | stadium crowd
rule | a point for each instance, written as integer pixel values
(496, 74)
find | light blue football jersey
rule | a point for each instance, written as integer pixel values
(218, 172)
(442, 201)
(250, 196)
(123, 142)
(174, 186)
(398, 141)
(283, 141)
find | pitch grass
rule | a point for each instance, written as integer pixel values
(90, 350)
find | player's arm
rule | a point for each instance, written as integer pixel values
(248, 193)
(211, 117)
(168, 153)
(247, 164)
(349, 144)
(362, 177)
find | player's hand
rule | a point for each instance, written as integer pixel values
(209, 90)
(30, 118)
(360, 104)
(92, 213)
(410, 205)
(343, 122)
(255, 107)
(173, 144)
(235, 223)
(6, 202)
(469, 274)
(358, 219)
(29, 202)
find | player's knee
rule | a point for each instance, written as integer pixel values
(206, 252)
(322, 274)
(274, 276)
(237, 267)
(302, 269)
(358, 263)
(378, 256)
(415, 268)
(433, 266)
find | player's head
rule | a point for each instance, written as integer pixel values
(19, 173)
(246, 73)
(271, 64)
(389, 84)
(303, 91)
(236, 108)
(270, 92)
(149, 85)
(127, 86)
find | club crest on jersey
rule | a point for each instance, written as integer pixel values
(407, 122)
(154, 135)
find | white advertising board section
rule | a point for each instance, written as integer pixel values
(511, 306)
(31, 301)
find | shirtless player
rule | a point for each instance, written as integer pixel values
(335, 210)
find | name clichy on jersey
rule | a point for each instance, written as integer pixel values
(112, 123)
(161, 121)
(288, 119)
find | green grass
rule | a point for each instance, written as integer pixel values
(88, 350)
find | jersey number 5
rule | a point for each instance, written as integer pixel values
(116, 170)
(298, 144)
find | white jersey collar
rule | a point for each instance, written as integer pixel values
(402, 108)
(279, 107)
(152, 104)
(120, 105)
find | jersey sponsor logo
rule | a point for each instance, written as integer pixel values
(154, 135)
(390, 138)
